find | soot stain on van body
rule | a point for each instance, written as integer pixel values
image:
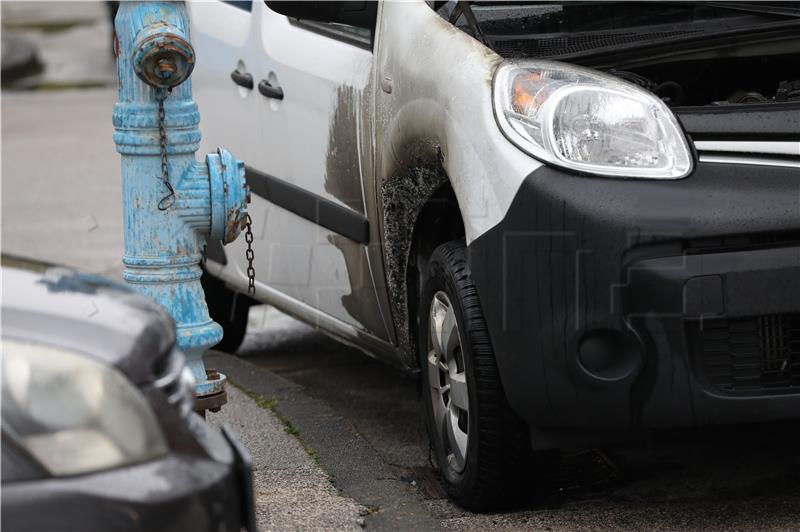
(403, 198)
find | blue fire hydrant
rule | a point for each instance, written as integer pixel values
(172, 204)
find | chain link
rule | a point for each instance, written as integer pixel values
(167, 201)
(251, 272)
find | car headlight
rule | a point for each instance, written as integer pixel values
(74, 414)
(588, 121)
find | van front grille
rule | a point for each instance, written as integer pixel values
(784, 153)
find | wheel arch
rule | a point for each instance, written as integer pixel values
(421, 211)
(439, 221)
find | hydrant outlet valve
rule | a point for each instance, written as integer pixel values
(229, 195)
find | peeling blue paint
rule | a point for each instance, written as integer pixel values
(163, 248)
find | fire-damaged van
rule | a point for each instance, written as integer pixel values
(579, 221)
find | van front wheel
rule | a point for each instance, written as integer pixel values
(481, 447)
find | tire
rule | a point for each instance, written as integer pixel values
(228, 308)
(496, 452)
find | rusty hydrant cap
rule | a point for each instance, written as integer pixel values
(162, 57)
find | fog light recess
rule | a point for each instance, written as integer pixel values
(609, 355)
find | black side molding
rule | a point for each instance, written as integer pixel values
(308, 205)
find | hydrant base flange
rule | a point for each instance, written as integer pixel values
(211, 402)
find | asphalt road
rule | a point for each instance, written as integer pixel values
(733, 478)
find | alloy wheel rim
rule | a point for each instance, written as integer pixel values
(448, 381)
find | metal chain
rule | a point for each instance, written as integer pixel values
(167, 201)
(251, 272)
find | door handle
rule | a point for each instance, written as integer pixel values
(270, 91)
(243, 79)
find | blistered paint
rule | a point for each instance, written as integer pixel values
(403, 199)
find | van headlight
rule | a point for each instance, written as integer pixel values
(587, 121)
(74, 414)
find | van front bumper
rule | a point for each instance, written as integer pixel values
(619, 304)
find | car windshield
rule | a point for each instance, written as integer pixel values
(548, 29)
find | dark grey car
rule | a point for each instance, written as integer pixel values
(98, 431)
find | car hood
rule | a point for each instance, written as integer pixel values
(87, 314)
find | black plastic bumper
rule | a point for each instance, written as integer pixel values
(613, 304)
(176, 492)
